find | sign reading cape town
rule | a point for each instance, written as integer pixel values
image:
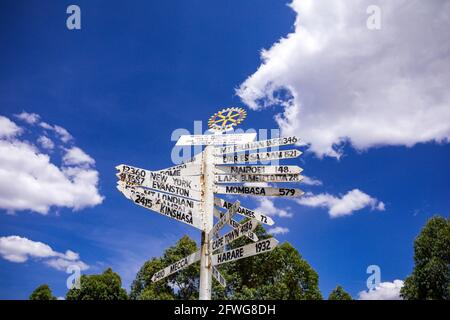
(188, 192)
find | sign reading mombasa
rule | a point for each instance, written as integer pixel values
(186, 193)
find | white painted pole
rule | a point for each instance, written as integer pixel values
(208, 207)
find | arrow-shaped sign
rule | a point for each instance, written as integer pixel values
(252, 178)
(234, 224)
(177, 266)
(150, 203)
(234, 234)
(257, 145)
(181, 204)
(218, 202)
(141, 177)
(220, 278)
(255, 169)
(244, 251)
(225, 218)
(259, 191)
(258, 156)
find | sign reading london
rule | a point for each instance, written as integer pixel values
(188, 192)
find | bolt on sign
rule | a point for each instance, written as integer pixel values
(188, 193)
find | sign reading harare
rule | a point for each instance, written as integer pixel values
(186, 193)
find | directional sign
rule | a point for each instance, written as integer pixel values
(244, 251)
(225, 218)
(258, 156)
(220, 278)
(215, 139)
(244, 211)
(141, 177)
(181, 204)
(234, 234)
(243, 178)
(185, 169)
(177, 266)
(258, 169)
(259, 191)
(163, 208)
(234, 224)
(257, 145)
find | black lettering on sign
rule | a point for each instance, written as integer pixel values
(245, 190)
(230, 255)
(262, 246)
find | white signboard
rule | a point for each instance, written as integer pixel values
(258, 169)
(163, 208)
(220, 278)
(234, 234)
(244, 251)
(259, 191)
(185, 169)
(215, 139)
(249, 178)
(244, 211)
(177, 266)
(257, 145)
(225, 218)
(234, 224)
(141, 177)
(181, 204)
(258, 156)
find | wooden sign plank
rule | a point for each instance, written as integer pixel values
(244, 251)
(258, 156)
(234, 224)
(194, 219)
(277, 142)
(177, 266)
(220, 278)
(234, 234)
(141, 177)
(262, 218)
(255, 169)
(259, 191)
(252, 178)
(225, 218)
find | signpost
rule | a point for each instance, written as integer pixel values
(186, 193)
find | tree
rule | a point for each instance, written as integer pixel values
(339, 293)
(42, 292)
(105, 286)
(430, 278)
(280, 274)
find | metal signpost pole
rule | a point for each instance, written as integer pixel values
(208, 220)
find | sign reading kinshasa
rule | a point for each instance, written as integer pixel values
(186, 192)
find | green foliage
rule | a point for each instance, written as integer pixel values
(431, 275)
(280, 274)
(42, 292)
(339, 293)
(105, 286)
(185, 281)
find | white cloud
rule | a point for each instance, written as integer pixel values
(62, 133)
(383, 291)
(29, 180)
(267, 207)
(353, 200)
(18, 249)
(30, 118)
(339, 81)
(8, 128)
(311, 181)
(75, 156)
(278, 230)
(46, 143)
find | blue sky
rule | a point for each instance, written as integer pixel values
(137, 71)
